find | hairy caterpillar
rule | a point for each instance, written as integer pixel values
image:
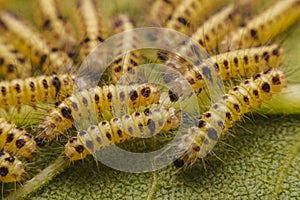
(33, 45)
(234, 64)
(139, 124)
(129, 61)
(102, 98)
(161, 10)
(213, 30)
(265, 26)
(31, 90)
(200, 139)
(12, 63)
(189, 13)
(16, 140)
(11, 169)
(90, 26)
(55, 26)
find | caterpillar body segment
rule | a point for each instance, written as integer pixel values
(12, 63)
(54, 25)
(16, 140)
(90, 25)
(145, 123)
(189, 13)
(32, 90)
(127, 62)
(34, 46)
(265, 26)
(200, 139)
(234, 64)
(103, 99)
(11, 168)
(161, 10)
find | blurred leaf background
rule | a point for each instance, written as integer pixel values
(260, 159)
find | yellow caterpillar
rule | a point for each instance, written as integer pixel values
(90, 25)
(234, 64)
(161, 10)
(102, 98)
(33, 45)
(200, 139)
(55, 26)
(265, 26)
(12, 63)
(189, 13)
(128, 62)
(11, 169)
(213, 30)
(16, 140)
(31, 90)
(139, 124)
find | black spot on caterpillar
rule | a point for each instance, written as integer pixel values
(11, 169)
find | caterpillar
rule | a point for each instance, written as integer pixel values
(33, 45)
(54, 25)
(265, 26)
(90, 25)
(144, 123)
(11, 168)
(31, 90)
(213, 30)
(12, 63)
(200, 139)
(234, 64)
(129, 61)
(161, 10)
(16, 140)
(102, 98)
(189, 13)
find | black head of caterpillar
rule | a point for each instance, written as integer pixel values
(16, 140)
(30, 91)
(264, 27)
(139, 124)
(103, 98)
(200, 139)
(11, 169)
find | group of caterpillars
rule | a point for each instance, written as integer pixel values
(240, 45)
